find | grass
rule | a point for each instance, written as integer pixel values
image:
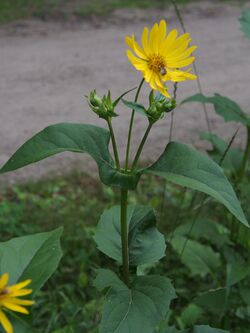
(11, 10)
(69, 303)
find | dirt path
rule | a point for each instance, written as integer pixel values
(46, 69)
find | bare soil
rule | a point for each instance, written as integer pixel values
(46, 69)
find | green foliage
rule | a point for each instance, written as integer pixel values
(78, 138)
(223, 106)
(199, 258)
(146, 243)
(233, 157)
(187, 167)
(23, 257)
(245, 22)
(144, 304)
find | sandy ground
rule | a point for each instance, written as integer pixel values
(47, 68)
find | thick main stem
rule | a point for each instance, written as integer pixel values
(246, 156)
(138, 154)
(131, 126)
(112, 135)
(124, 235)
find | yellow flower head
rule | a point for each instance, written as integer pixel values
(9, 300)
(161, 56)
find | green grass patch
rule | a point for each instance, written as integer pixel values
(11, 10)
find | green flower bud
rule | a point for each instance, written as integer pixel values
(158, 106)
(103, 107)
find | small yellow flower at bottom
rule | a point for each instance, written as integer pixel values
(9, 300)
(162, 56)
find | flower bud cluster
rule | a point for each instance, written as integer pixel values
(158, 106)
(103, 107)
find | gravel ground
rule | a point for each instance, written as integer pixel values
(46, 69)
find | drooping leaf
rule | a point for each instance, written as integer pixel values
(245, 22)
(199, 258)
(138, 309)
(206, 229)
(186, 166)
(146, 243)
(31, 257)
(233, 157)
(212, 300)
(223, 106)
(78, 138)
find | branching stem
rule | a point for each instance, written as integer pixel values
(131, 125)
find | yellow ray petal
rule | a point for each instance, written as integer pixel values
(168, 42)
(162, 31)
(145, 41)
(5, 323)
(175, 52)
(19, 285)
(138, 50)
(153, 39)
(14, 307)
(22, 292)
(184, 54)
(136, 62)
(21, 301)
(178, 76)
(4, 280)
(181, 63)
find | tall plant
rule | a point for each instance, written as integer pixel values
(128, 233)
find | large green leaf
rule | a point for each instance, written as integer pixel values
(78, 138)
(199, 258)
(138, 309)
(245, 22)
(223, 106)
(186, 166)
(31, 257)
(233, 157)
(146, 243)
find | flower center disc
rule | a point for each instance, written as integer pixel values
(157, 64)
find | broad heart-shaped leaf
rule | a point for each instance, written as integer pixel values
(78, 138)
(233, 157)
(186, 166)
(223, 106)
(31, 257)
(199, 258)
(245, 22)
(146, 243)
(138, 309)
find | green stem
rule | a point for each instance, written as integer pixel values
(131, 126)
(124, 235)
(113, 143)
(246, 156)
(138, 154)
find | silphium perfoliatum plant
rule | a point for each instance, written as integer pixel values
(128, 233)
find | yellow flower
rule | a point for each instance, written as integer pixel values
(9, 300)
(161, 56)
